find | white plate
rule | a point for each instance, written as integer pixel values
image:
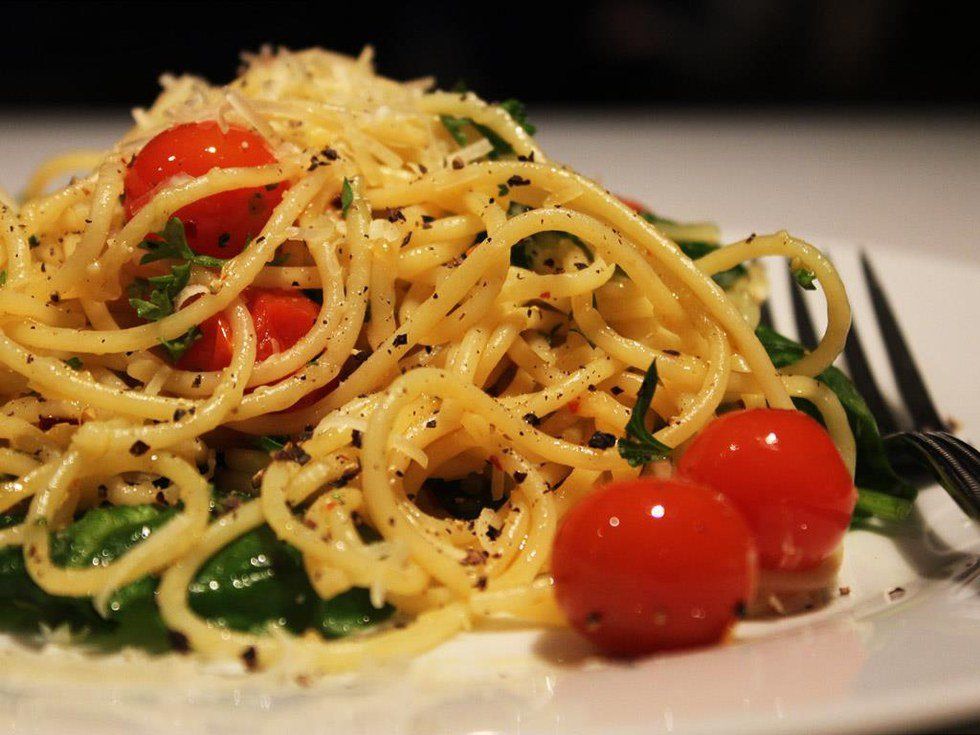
(870, 662)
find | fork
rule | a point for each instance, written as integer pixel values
(954, 463)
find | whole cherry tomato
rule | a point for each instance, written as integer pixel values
(649, 564)
(784, 474)
(219, 225)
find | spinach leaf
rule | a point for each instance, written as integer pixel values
(695, 249)
(348, 612)
(534, 253)
(255, 581)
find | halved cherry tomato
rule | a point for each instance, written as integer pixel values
(782, 471)
(281, 319)
(219, 225)
(649, 564)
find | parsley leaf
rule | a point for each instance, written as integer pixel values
(3, 277)
(75, 363)
(179, 345)
(346, 197)
(640, 446)
(171, 242)
(455, 126)
(159, 302)
(271, 443)
(805, 278)
(517, 110)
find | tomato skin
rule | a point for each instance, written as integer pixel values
(219, 225)
(648, 564)
(633, 204)
(782, 471)
(281, 319)
(212, 350)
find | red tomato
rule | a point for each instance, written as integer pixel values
(219, 225)
(646, 565)
(633, 204)
(782, 471)
(281, 318)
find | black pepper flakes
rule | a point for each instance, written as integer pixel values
(400, 339)
(250, 657)
(532, 418)
(896, 593)
(602, 440)
(139, 448)
(292, 452)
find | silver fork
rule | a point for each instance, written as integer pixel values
(953, 462)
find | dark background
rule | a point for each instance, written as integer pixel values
(605, 52)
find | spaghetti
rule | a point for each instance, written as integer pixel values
(433, 357)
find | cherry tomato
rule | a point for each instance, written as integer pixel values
(221, 224)
(782, 471)
(281, 318)
(633, 204)
(645, 565)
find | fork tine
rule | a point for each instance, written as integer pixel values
(954, 469)
(804, 324)
(864, 381)
(967, 455)
(907, 375)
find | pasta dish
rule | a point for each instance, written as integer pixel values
(322, 367)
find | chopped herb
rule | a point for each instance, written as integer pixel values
(178, 346)
(640, 446)
(3, 277)
(456, 126)
(518, 112)
(171, 243)
(75, 363)
(271, 443)
(346, 197)
(805, 278)
(33, 241)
